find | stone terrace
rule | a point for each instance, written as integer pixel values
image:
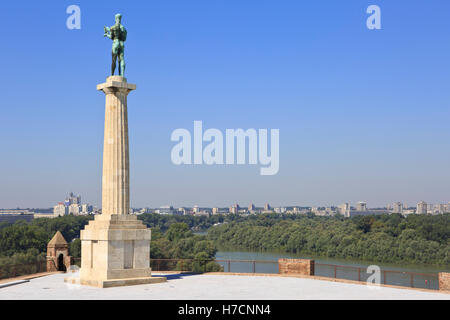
(213, 287)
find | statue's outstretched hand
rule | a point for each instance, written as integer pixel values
(107, 30)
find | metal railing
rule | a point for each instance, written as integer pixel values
(388, 277)
(16, 270)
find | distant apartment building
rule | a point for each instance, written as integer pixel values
(72, 205)
(220, 210)
(234, 208)
(440, 208)
(397, 207)
(251, 207)
(361, 206)
(280, 210)
(86, 209)
(74, 209)
(60, 210)
(296, 210)
(344, 209)
(202, 213)
(422, 208)
(267, 207)
(72, 199)
(165, 210)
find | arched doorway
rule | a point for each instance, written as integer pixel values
(61, 265)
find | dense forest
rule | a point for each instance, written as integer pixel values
(384, 238)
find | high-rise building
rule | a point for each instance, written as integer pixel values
(74, 209)
(442, 208)
(86, 209)
(234, 208)
(266, 207)
(251, 207)
(361, 206)
(344, 209)
(60, 210)
(422, 208)
(398, 207)
(72, 199)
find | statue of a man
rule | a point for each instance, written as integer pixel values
(118, 34)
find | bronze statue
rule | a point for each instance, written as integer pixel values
(118, 34)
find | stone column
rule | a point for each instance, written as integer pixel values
(115, 246)
(116, 166)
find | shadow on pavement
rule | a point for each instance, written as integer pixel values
(176, 276)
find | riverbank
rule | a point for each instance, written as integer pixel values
(242, 254)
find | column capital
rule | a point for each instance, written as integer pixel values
(116, 83)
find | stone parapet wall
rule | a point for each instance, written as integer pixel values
(444, 281)
(296, 266)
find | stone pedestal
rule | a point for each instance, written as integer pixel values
(115, 251)
(115, 247)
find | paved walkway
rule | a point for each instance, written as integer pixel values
(213, 287)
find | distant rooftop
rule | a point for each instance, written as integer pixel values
(213, 287)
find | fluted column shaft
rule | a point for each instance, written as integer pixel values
(116, 167)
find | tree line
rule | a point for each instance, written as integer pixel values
(380, 238)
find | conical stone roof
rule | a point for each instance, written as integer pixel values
(57, 239)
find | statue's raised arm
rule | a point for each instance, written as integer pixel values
(118, 34)
(107, 32)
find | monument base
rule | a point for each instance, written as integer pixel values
(115, 282)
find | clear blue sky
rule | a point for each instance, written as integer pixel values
(363, 115)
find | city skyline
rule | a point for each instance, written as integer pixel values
(397, 206)
(363, 114)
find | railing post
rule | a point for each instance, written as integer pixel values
(229, 266)
(335, 271)
(359, 274)
(384, 277)
(182, 264)
(254, 266)
(158, 264)
(412, 280)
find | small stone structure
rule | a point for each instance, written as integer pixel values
(444, 281)
(296, 266)
(58, 258)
